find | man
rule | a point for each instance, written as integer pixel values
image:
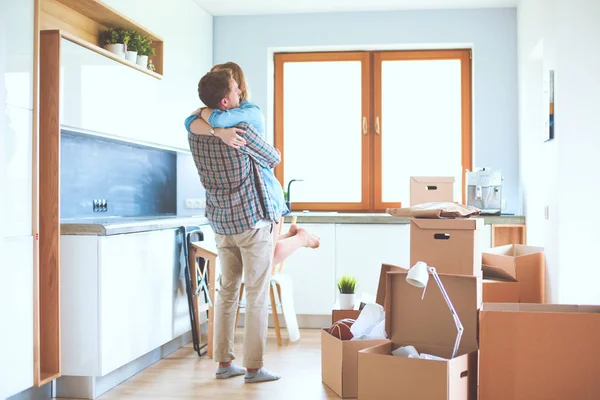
(242, 215)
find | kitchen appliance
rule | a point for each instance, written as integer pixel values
(484, 190)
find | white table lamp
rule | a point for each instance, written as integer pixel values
(418, 276)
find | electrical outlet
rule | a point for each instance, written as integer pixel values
(99, 205)
(195, 203)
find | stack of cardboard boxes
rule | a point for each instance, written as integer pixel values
(507, 351)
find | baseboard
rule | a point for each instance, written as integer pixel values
(305, 321)
(42, 393)
(90, 387)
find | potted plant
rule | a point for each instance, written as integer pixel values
(145, 50)
(346, 285)
(133, 48)
(115, 40)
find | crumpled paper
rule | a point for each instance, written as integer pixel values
(370, 324)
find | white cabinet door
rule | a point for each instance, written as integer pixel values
(99, 94)
(15, 215)
(16, 315)
(16, 53)
(312, 272)
(486, 237)
(139, 274)
(360, 249)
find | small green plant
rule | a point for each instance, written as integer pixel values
(135, 42)
(145, 47)
(114, 36)
(347, 284)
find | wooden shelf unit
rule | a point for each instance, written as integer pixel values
(82, 21)
(508, 234)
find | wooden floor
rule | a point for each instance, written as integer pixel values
(183, 375)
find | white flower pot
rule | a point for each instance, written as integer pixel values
(131, 56)
(142, 61)
(117, 48)
(347, 301)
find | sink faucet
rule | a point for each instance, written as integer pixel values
(287, 200)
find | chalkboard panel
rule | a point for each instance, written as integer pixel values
(135, 181)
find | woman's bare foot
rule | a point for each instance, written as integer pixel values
(293, 229)
(310, 240)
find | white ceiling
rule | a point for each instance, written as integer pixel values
(248, 7)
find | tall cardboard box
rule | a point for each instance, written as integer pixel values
(539, 351)
(452, 246)
(431, 189)
(429, 326)
(339, 358)
(524, 264)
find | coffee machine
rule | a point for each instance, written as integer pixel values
(484, 190)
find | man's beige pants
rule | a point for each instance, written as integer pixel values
(250, 254)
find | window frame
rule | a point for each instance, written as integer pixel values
(371, 142)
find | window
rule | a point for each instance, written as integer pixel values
(355, 126)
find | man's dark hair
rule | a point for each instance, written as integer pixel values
(214, 86)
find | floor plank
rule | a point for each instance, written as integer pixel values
(183, 375)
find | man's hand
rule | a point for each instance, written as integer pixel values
(231, 136)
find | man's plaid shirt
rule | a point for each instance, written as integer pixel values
(236, 194)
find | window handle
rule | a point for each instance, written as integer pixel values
(364, 125)
(377, 126)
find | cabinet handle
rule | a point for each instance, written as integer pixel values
(377, 126)
(364, 125)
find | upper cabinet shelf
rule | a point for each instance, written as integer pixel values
(84, 20)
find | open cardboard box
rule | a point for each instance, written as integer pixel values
(518, 263)
(500, 291)
(450, 245)
(431, 189)
(539, 351)
(339, 358)
(429, 326)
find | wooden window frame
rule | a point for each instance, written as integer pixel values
(371, 142)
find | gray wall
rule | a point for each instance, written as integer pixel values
(492, 33)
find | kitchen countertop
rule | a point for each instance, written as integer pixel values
(317, 217)
(120, 225)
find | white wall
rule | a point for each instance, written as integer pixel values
(248, 40)
(561, 35)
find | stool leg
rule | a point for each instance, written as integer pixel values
(275, 316)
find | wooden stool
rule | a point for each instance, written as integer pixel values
(199, 277)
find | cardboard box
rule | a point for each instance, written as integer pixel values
(500, 291)
(525, 264)
(450, 245)
(429, 326)
(429, 189)
(336, 315)
(539, 351)
(339, 369)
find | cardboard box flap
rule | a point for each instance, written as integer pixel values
(429, 321)
(540, 308)
(381, 289)
(514, 250)
(432, 179)
(506, 273)
(445, 224)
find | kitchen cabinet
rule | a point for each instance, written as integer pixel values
(16, 210)
(16, 53)
(313, 272)
(361, 249)
(16, 314)
(122, 296)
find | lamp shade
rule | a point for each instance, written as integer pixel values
(418, 275)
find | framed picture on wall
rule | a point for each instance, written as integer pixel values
(549, 128)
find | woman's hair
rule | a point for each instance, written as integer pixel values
(238, 76)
